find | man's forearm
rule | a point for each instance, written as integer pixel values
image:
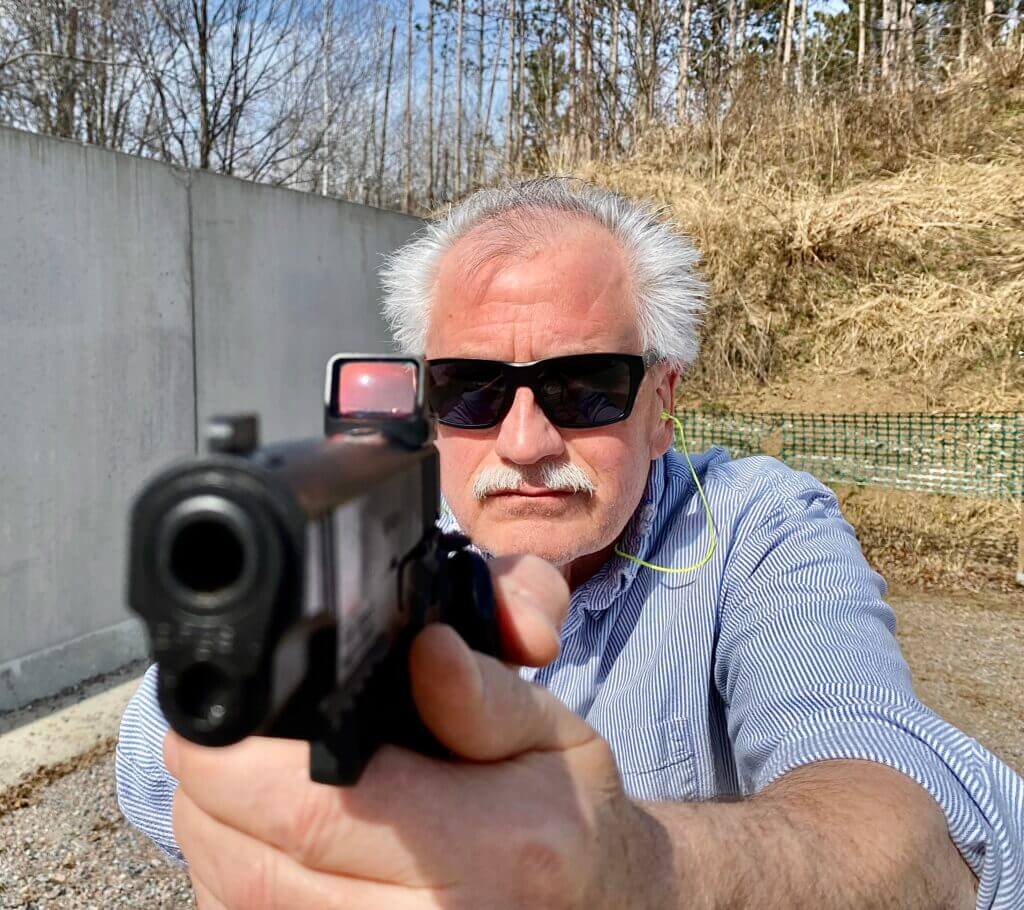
(829, 835)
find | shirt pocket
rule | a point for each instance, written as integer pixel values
(656, 760)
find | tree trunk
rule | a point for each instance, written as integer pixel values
(908, 63)
(988, 23)
(572, 71)
(384, 119)
(67, 84)
(787, 39)
(861, 9)
(613, 80)
(408, 107)
(871, 42)
(442, 143)
(741, 29)
(509, 83)
(458, 97)
(589, 118)
(521, 98)
(683, 88)
(370, 133)
(325, 171)
(430, 104)
(481, 126)
(205, 134)
(490, 97)
(654, 77)
(730, 34)
(802, 50)
(886, 41)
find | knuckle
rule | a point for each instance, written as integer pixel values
(544, 871)
(313, 821)
(257, 887)
(552, 859)
(602, 760)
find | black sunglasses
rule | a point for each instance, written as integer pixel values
(579, 391)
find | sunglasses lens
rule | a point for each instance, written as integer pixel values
(466, 394)
(586, 391)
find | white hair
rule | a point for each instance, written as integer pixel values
(670, 295)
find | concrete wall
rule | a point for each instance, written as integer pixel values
(134, 299)
(282, 281)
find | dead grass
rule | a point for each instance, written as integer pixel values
(885, 236)
(865, 254)
(932, 542)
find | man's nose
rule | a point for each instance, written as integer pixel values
(526, 436)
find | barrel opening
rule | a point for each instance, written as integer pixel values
(207, 556)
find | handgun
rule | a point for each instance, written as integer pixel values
(282, 586)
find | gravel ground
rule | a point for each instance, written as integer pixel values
(70, 849)
(64, 845)
(966, 653)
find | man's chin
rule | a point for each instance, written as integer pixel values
(550, 540)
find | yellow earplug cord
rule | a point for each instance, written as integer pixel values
(711, 522)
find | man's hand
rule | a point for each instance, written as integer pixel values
(534, 816)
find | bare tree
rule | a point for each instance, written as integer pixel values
(801, 53)
(521, 94)
(510, 85)
(232, 95)
(906, 41)
(408, 107)
(988, 22)
(741, 28)
(886, 50)
(861, 35)
(787, 38)
(613, 80)
(458, 97)
(683, 88)
(430, 103)
(64, 70)
(730, 32)
(325, 152)
(384, 118)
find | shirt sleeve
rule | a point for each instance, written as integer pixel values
(809, 670)
(145, 788)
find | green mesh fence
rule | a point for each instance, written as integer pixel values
(979, 455)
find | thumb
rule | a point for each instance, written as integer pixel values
(481, 709)
(532, 600)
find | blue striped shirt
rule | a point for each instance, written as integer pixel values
(779, 652)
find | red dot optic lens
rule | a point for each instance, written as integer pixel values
(375, 388)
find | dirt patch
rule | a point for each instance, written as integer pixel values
(966, 654)
(30, 789)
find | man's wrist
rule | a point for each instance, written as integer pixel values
(637, 861)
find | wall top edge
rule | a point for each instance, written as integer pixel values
(19, 135)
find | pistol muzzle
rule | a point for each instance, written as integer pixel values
(208, 552)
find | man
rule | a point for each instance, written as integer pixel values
(737, 731)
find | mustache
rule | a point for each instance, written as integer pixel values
(557, 476)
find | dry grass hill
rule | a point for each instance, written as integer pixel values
(865, 255)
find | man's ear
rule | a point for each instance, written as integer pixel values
(661, 440)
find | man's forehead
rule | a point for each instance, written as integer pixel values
(573, 291)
